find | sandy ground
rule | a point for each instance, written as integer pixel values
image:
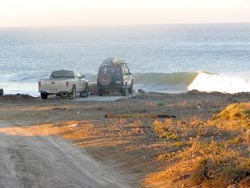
(69, 143)
(41, 161)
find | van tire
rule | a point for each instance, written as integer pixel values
(130, 89)
(124, 92)
(100, 92)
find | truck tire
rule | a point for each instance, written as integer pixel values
(44, 95)
(73, 93)
(85, 94)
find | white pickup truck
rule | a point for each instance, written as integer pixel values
(63, 82)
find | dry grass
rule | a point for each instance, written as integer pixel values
(212, 153)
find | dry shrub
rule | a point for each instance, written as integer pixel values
(205, 164)
(235, 119)
(237, 114)
(165, 129)
(235, 111)
(210, 153)
(217, 167)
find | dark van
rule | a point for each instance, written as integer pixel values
(114, 75)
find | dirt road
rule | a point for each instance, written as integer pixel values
(33, 161)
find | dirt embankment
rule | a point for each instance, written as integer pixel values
(193, 149)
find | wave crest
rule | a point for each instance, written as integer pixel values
(206, 82)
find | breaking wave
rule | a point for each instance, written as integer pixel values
(165, 78)
(187, 81)
(150, 82)
(164, 82)
(206, 82)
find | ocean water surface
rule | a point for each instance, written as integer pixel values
(163, 58)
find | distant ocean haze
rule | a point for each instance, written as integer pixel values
(163, 58)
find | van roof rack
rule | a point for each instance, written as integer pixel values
(115, 61)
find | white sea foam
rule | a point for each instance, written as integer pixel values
(206, 82)
(21, 88)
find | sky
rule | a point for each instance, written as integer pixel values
(43, 13)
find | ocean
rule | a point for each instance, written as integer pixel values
(163, 58)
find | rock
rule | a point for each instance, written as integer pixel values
(1, 92)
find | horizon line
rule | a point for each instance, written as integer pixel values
(121, 25)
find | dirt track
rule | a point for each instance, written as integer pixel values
(49, 162)
(40, 146)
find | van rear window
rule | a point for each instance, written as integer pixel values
(111, 70)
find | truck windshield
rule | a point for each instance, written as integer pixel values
(62, 74)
